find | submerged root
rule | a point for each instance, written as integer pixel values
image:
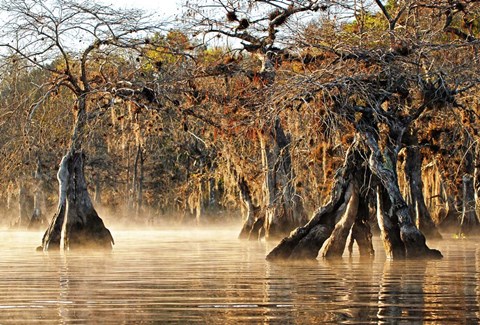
(415, 245)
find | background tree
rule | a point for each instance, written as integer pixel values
(256, 27)
(66, 39)
(31, 133)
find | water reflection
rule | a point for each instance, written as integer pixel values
(401, 294)
(210, 277)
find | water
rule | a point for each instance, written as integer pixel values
(207, 276)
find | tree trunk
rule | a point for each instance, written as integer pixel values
(361, 231)
(450, 216)
(329, 228)
(384, 167)
(469, 222)
(128, 185)
(389, 228)
(138, 181)
(10, 195)
(413, 172)
(23, 218)
(199, 208)
(306, 241)
(76, 224)
(133, 191)
(38, 219)
(212, 196)
(140, 186)
(335, 244)
(284, 208)
(476, 172)
(251, 210)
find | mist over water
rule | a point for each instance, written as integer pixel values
(208, 276)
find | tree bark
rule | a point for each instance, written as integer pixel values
(450, 219)
(361, 231)
(199, 203)
(476, 172)
(384, 167)
(329, 228)
(76, 224)
(389, 228)
(306, 241)
(284, 208)
(413, 172)
(335, 244)
(97, 198)
(258, 228)
(400, 236)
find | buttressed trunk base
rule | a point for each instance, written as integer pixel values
(347, 211)
(76, 224)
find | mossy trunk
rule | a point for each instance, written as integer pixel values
(413, 172)
(284, 209)
(383, 166)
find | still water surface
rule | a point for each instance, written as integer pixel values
(208, 276)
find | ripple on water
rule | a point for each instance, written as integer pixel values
(208, 276)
